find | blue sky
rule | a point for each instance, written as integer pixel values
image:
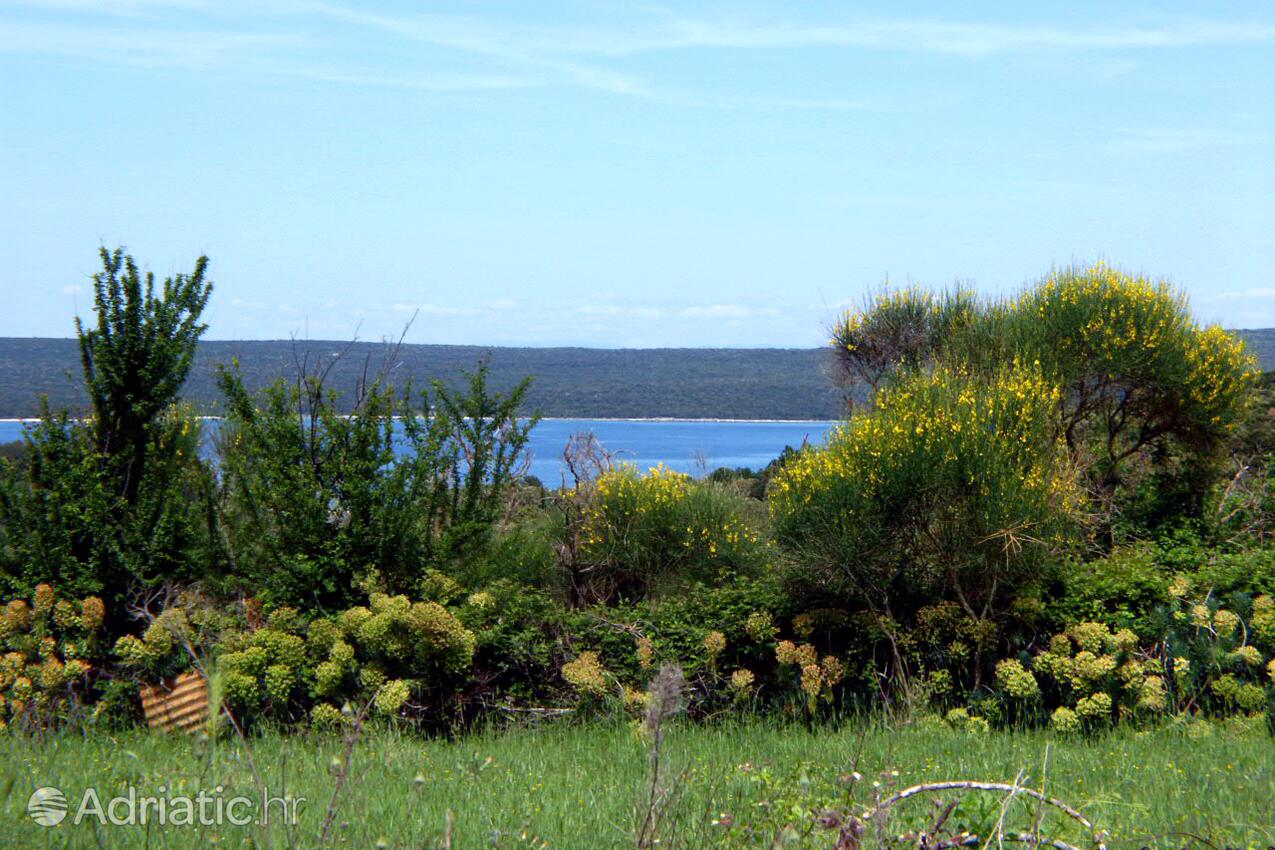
(621, 174)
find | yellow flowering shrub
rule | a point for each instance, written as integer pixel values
(1137, 370)
(900, 329)
(641, 531)
(953, 486)
(586, 674)
(1138, 374)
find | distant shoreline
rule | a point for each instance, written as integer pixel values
(600, 419)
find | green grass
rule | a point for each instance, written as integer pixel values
(581, 787)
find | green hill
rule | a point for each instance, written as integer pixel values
(692, 383)
(569, 382)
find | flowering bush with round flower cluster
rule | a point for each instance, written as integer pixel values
(1225, 650)
(1015, 680)
(741, 683)
(49, 649)
(263, 671)
(817, 678)
(389, 653)
(586, 674)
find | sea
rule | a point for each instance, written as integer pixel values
(695, 446)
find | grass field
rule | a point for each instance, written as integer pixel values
(586, 787)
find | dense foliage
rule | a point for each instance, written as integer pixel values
(1052, 510)
(316, 503)
(105, 503)
(1141, 383)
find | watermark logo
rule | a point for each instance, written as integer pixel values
(47, 806)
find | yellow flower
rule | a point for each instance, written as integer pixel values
(586, 674)
(645, 652)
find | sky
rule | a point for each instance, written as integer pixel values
(627, 175)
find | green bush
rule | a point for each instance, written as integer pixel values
(951, 488)
(318, 502)
(396, 654)
(118, 501)
(631, 536)
(51, 653)
(1123, 590)
(1144, 387)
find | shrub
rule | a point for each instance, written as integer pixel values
(898, 331)
(51, 655)
(392, 651)
(1134, 366)
(517, 631)
(643, 534)
(65, 521)
(1143, 385)
(952, 488)
(318, 501)
(104, 505)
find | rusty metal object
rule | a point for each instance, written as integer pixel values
(177, 704)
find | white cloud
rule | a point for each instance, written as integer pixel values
(433, 309)
(1259, 293)
(716, 311)
(617, 311)
(293, 38)
(1180, 140)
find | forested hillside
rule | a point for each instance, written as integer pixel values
(692, 383)
(569, 382)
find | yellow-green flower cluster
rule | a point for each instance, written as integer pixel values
(392, 696)
(760, 626)
(1015, 680)
(48, 645)
(266, 666)
(1065, 720)
(388, 649)
(586, 674)
(1262, 621)
(645, 652)
(1246, 696)
(817, 677)
(741, 682)
(714, 645)
(1095, 707)
(960, 718)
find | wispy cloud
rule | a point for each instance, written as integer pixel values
(1180, 140)
(434, 309)
(618, 311)
(297, 38)
(716, 311)
(166, 46)
(1259, 293)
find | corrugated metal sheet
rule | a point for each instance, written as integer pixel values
(181, 703)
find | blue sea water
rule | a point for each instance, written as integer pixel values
(685, 445)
